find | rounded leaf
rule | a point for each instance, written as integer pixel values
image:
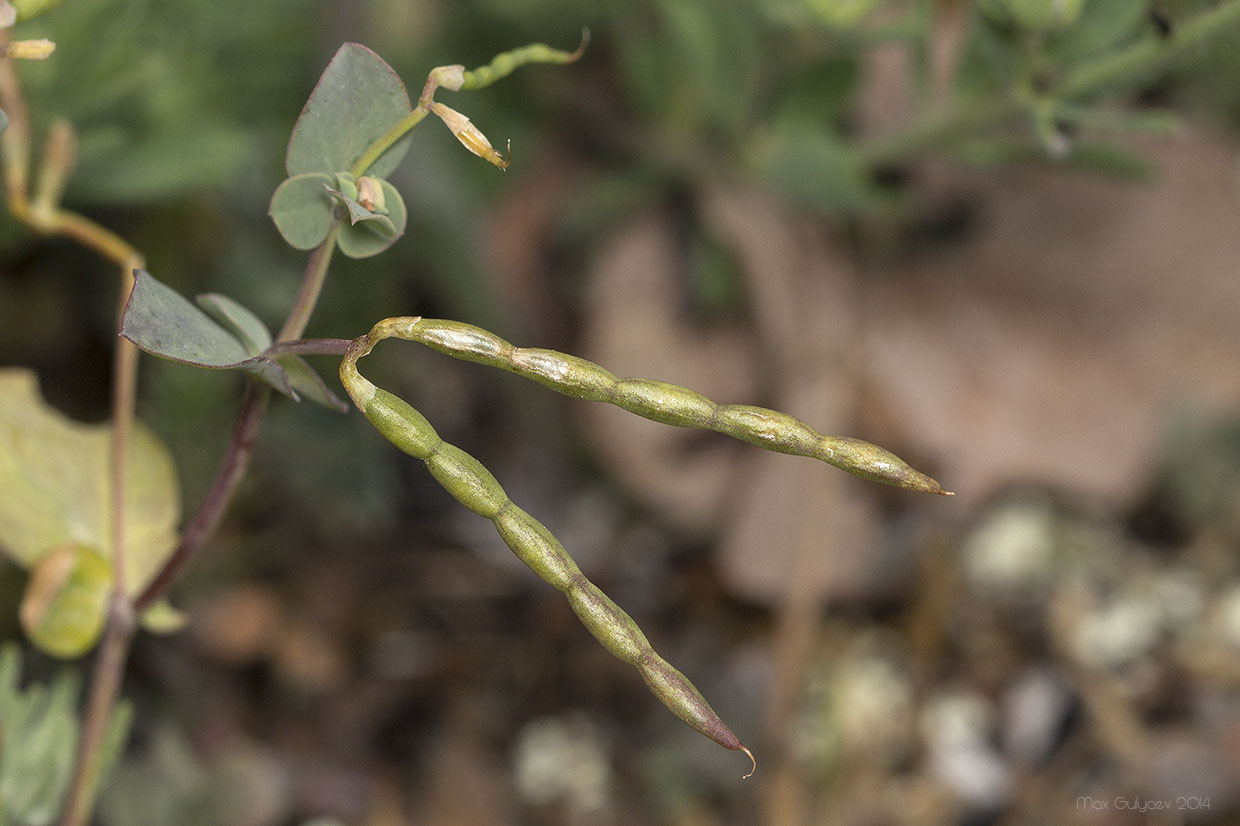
(357, 100)
(367, 238)
(302, 209)
(66, 599)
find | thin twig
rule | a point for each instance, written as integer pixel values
(232, 468)
(104, 688)
(237, 455)
(311, 287)
(310, 347)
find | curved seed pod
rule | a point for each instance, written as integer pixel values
(473, 486)
(506, 63)
(658, 400)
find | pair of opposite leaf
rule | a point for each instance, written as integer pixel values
(356, 101)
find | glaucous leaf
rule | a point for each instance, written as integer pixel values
(164, 323)
(246, 327)
(309, 384)
(358, 213)
(57, 490)
(357, 100)
(302, 209)
(364, 239)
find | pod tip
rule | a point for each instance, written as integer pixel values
(752, 760)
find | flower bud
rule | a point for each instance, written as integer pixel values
(469, 135)
(370, 193)
(28, 49)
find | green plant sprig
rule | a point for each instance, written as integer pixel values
(659, 401)
(473, 486)
(456, 78)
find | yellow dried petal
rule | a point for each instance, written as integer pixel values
(30, 49)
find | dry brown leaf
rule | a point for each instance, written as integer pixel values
(1059, 344)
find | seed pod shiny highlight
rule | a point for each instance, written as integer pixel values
(473, 486)
(658, 400)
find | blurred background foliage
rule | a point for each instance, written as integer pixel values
(363, 648)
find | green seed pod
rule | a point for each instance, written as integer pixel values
(506, 63)
(657, 400)
(473, 486)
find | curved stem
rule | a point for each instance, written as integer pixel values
(240, 448)
(233, 467)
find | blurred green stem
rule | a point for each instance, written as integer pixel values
(45, 216)
(941, 129)
(104, 688)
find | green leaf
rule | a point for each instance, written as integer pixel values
(66, 599)
(817, 170)
(357, 100)
(4, 121)
(1102, 24)
(162, 618)
(246, 327)
(309, 384)
(40, 736)
(57, 490)
(358, 213)
(164, 323)
(302, 209)
(364, 239)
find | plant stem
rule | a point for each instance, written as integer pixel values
(232, 468)
(940, 128)
(310, 347)
(240, 448)
(311, 287)
(385, 141)
(104, 688)
(124, 391)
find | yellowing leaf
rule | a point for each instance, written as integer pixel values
(56, 488)
(162, 618)
(66, 598)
